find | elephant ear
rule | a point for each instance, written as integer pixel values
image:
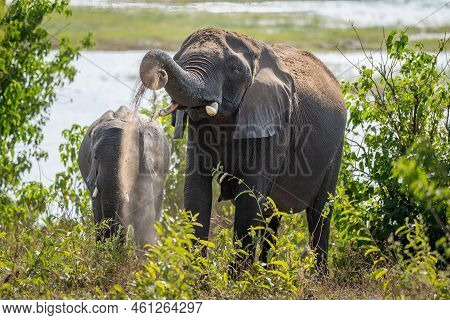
(267, 104)
(84, 153)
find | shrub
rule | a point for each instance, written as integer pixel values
(393, 200)
(395, 107)
(177, 269)
(69, 189)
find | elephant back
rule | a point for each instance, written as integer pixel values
(313, 80)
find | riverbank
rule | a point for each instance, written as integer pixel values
(143, 28)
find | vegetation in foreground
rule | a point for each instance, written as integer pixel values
(120, 29)
(390, 234)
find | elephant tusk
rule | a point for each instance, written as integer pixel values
(212, 109)
(171, 108)
(95, 193)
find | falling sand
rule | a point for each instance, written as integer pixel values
(140, 208)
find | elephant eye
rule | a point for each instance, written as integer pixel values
(233, 67)
(234, 70)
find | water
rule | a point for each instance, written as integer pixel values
(340, 13)
(139, 94)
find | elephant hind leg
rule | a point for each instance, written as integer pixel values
(319, 232)
(318, 224)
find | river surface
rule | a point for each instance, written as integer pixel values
(340, 12)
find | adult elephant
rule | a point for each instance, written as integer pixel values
(124, 160)
(273, 116)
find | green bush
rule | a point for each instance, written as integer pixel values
(69, 188)
(176, 268)
(397, 109)
(393, 200)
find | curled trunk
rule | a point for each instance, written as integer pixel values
(158, 70)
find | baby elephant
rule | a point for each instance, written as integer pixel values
(124, 160)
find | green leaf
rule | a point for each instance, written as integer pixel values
(379, 273)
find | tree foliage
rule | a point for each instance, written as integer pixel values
(29, 74)
(399, 112)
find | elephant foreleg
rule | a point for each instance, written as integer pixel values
(247, 215)
(264, 160)
(269, 237)
(198, 199)
(250, 212)
(198, 178)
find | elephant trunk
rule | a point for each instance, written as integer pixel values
(187, 88)
(110, 212)
(108, 195)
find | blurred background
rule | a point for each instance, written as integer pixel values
(124, 30)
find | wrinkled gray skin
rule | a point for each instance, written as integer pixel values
(125, 156)
(279, 108)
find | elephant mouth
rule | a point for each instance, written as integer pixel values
(227, 108)
(211, 109)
